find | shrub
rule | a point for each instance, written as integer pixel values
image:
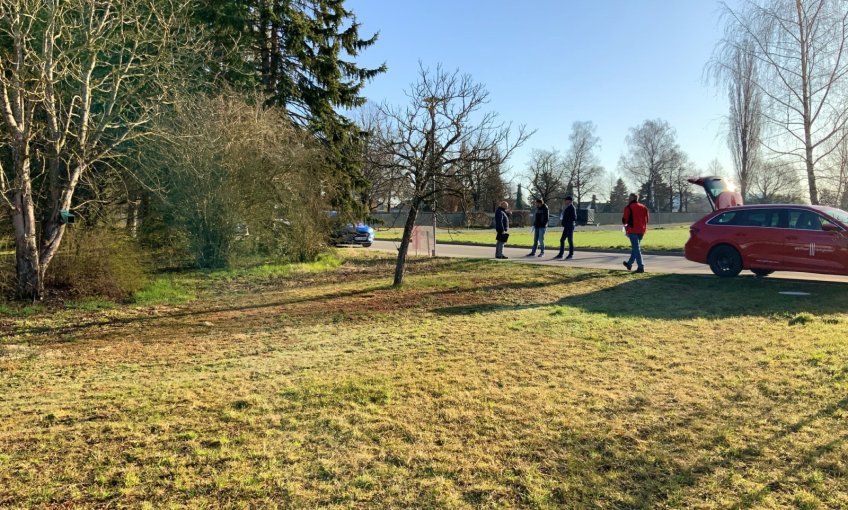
(98, 262)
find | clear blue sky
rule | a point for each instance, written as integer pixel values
(548, 63)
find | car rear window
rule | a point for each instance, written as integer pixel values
(726, 218)
(749, 218)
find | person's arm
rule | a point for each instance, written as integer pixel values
(625, 219)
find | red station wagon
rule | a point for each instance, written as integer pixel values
(767, 238)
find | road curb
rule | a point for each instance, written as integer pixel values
(672, 253)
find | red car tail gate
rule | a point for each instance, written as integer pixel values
(720, 193)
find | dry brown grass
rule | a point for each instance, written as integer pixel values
(479, 385)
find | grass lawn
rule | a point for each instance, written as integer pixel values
(478, 385)
(658, 239)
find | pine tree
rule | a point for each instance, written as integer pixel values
(302, 55)
(618, 196)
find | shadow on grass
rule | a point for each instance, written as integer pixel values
(381, 291)
(656, 476)
(675, 297)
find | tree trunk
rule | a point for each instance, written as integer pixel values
(400, 266)
(806, 98)
(132, 214)
(29, 277)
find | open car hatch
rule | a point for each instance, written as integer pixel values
(720, 194)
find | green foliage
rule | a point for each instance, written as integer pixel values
(618, 196)
(240, 180)
(99, 262)
(302, 55)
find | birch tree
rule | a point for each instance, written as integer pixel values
(581, 161)
(736, 67)
(801, 49)
(652, 154)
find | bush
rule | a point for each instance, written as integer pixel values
(239, 180)
(98, 262)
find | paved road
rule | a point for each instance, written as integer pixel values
(598, 260)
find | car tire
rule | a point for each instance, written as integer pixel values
(725, 261)
(762, 273)
(366, 245)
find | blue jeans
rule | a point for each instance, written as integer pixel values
(635, 250)
(539, 240)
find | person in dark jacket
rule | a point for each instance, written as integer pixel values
(502, 228)
(540, 225)
(567, 217)
(635, 220)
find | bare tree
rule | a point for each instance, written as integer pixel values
(481, 183)
(441, 127)
(78, 79)
(546, 173)
(681, 189)
(736, 66)
(581, 161)
(652, 154)
(777, 182)
(801, 49)
(386, 180)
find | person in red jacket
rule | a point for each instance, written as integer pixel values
(635, 222)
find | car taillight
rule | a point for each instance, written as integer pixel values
(693, 231)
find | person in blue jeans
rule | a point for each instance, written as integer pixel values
(540, 225)
(635, 220)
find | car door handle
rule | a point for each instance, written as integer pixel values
(741, 234)
(791, 238)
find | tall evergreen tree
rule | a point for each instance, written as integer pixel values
(618, 196)
(302, 55)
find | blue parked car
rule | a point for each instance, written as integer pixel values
(349, 234)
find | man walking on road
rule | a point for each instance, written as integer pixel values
(635, 222)
(540, 224)
(567, 217)
(502, 228)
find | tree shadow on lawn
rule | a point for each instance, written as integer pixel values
(662, 474)
(374, 294)
(677, 297)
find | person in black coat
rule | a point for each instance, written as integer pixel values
(540, 225)
(567, 217)
(502, 228)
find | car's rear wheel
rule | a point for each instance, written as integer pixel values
(367, 245)
(725, 261)
(762, 272)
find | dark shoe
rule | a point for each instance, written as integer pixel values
(558, 256)
(628, 266)
(531, 254)
(639, 270)
(541, 254)
(568, 257)
(504, 257)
